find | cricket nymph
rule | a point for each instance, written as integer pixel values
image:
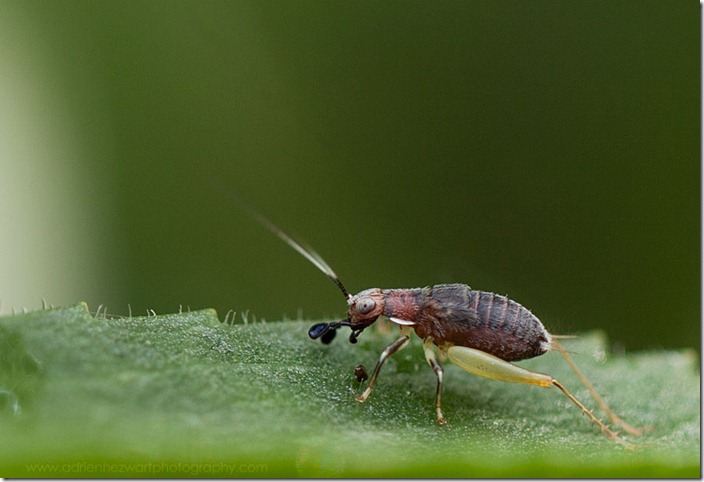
(479, 331)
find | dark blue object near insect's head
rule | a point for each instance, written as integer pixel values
(318, 330)
(326, 331)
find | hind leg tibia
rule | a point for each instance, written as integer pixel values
(485, 365)
(595, 395)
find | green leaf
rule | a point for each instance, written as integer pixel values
(186, 395)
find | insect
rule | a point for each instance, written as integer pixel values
(480, 331)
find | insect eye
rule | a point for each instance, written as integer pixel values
(365, 305)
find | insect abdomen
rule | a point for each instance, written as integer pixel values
(505, 328)
(485, 321)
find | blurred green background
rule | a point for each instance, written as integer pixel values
(545, 150)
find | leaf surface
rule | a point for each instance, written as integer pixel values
(185, 395)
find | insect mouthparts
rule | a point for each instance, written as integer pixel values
(354, 335)
(318, 330)
(326, 331)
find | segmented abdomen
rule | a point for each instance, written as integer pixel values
(485, 321)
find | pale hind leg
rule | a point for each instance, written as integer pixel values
(485, 365)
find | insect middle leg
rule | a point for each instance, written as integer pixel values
(387, 352)
(429, 350)
(485, 365)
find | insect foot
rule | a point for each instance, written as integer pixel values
(361, 398)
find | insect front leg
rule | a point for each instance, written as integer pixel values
(399, 344)
(485, 365)
(429, 350)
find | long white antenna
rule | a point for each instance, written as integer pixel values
(307, 252)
